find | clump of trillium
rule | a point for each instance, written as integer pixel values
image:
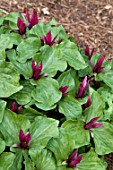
(73, 160)
(16, 109)
(37, 71)
(31, 22)
(63, 89)
(24, 140)
(47, 39)
(93, 123)
(82, 88)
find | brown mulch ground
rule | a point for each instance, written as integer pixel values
(89, 21)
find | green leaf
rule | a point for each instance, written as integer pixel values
(66, 78)
(70, 107)
(53, 22)
(103, 139)
(96, 108)
(2, 109)
(42, 130)
(72, 55)
(39, 30)
(57, 31)
(91, 161)
(106, 77)
(6, 160)
(107, 96)
(17, 163)
(9, 82)
(29, 165)
(30, 113)
(43, 159)
(52, 60)
(11, 125)
(75, 128)
(15, 38)
(28, 48)
(62, 146)
(1, 20)
(12, 17)
(25, 93)
(47, 93)
(5, 43)
(24, 69)
(11, 55)
(2, 145)
(2, 55)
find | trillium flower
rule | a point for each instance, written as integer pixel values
(48, 39)
(73, 160)
(97, 68)
(24, 140)
(88, 103)
(63, 89)
(82, 88)
(15, 109)
(88, 52)
(36, 70)
(33, 20)
(93, 123)
(21, 26)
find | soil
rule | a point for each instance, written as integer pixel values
(89, 21)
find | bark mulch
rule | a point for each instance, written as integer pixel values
(89, 21)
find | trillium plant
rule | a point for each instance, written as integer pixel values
(56, 99)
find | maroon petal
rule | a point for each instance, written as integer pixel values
(73, 155)
(21, 26)
(20, 108)
(74, 162)
(88, 103)
(18, 22)
(42, 40)
(87, 51)
(91, 54)
(97, 125)
(36, 74)
(27, 15)
(21, 136)
(82, 88)
(63, 88)
(58, 42)
(84, 83)
(28, 138)
(53, 41)
(13, 107)
(94, 119)
(34, 18)
(33, 65)
(98, 64)
(37, 71)
(48, 38)
(40, 66)
(92, 123)
(88, 126)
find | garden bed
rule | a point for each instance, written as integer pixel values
(82, 33)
